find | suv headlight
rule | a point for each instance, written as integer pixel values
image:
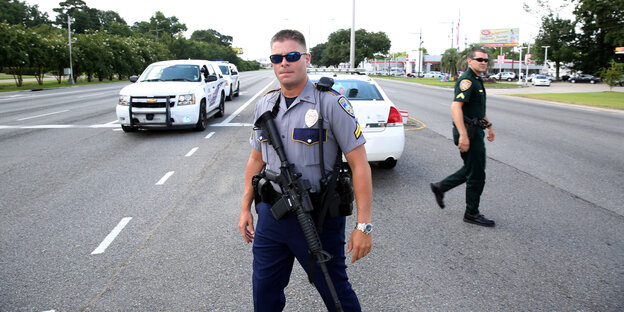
(124, 100)
(186, 99)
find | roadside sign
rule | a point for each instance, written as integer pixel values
(501, 59)
(545, 70)
(527, 58)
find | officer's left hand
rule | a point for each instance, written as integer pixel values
(490, 135)
(360, 244)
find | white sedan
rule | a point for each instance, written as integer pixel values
(381, 121)
(540, 80)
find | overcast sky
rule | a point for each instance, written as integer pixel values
(252, 23)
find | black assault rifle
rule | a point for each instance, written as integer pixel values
(295, 198)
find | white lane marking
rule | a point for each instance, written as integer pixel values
(43, 115)
(191, 152)
(117, 129)
(209, 135)
(164, 178)
(111, 236)
(240, 109)
(112, 122)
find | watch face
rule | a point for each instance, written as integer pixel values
(368, 228)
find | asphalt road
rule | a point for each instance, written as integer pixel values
(70, 177)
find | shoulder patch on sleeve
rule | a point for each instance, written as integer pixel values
(344, 103)
(465, 84)
(271, 91)
(358, 130)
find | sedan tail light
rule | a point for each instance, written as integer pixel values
(394, 118)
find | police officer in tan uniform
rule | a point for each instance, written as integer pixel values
(469, 122)
(276, 243)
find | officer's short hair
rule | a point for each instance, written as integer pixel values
(474, 52)
(289, 34)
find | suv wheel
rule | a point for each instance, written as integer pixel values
(237, 89)
(229, 97)
(202, 120)
(592, 81)
(221, 111)
(573, 81)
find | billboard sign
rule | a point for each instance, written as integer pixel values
(507, 37)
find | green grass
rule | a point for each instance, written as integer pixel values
(436, 82)
(602, 99)
(47, 84)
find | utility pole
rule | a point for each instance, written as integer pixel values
(520, 64)
(71, 67)
(420, 52)
(352, 54)
(545, 60)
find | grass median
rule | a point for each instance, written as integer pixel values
(436, 82)
(47, 84)
(600, 99)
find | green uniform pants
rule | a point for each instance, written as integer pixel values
(472, 173)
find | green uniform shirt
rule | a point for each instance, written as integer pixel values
(469, 89)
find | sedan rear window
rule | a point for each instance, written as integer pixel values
(357, 90)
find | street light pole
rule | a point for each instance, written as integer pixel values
(520, 64)
(71, 67)
(545, 59)
(352, 54)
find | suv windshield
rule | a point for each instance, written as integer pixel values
(182, 72)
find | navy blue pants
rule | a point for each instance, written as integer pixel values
(277, 243)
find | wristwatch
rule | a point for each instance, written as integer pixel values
(366, 228)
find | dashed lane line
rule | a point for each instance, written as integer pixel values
(111, 236)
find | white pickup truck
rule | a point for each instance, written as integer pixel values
(178, 93)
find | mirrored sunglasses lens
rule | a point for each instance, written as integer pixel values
(276, 58)
(293, 56)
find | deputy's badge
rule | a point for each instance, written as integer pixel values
(465, 84)
(346, 106)
(311, 117)
(460, 96)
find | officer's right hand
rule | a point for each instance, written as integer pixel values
(464, 143)
(245, 226)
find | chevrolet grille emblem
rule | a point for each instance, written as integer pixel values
(151, 100)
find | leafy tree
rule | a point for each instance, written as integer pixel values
(450, 61)
(612, 75)
(160, 25)
(84, 18)
(14, 50)
(19, 13)
(338, 46)
(212, 36)
(318, 54)
(602, 29)
(558, 34)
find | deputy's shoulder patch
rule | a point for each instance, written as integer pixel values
(358, 131)
(460, 96)
(465, 84)
(271, 92)
(346, 105)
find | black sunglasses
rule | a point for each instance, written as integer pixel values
(290, 57)
(480, 60)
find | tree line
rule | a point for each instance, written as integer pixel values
(103, 45)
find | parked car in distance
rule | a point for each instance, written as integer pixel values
(381, 122)
(540, 80)
(584, 78)
(622, 81)
(432, 74)
(509, 76)
(397, 72)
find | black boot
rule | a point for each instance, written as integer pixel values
(436, 188)
(478, 219)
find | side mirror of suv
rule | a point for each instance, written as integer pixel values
(134, 79)
(234, 72)
(211, 78)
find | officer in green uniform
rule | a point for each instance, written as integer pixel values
(469, 122)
